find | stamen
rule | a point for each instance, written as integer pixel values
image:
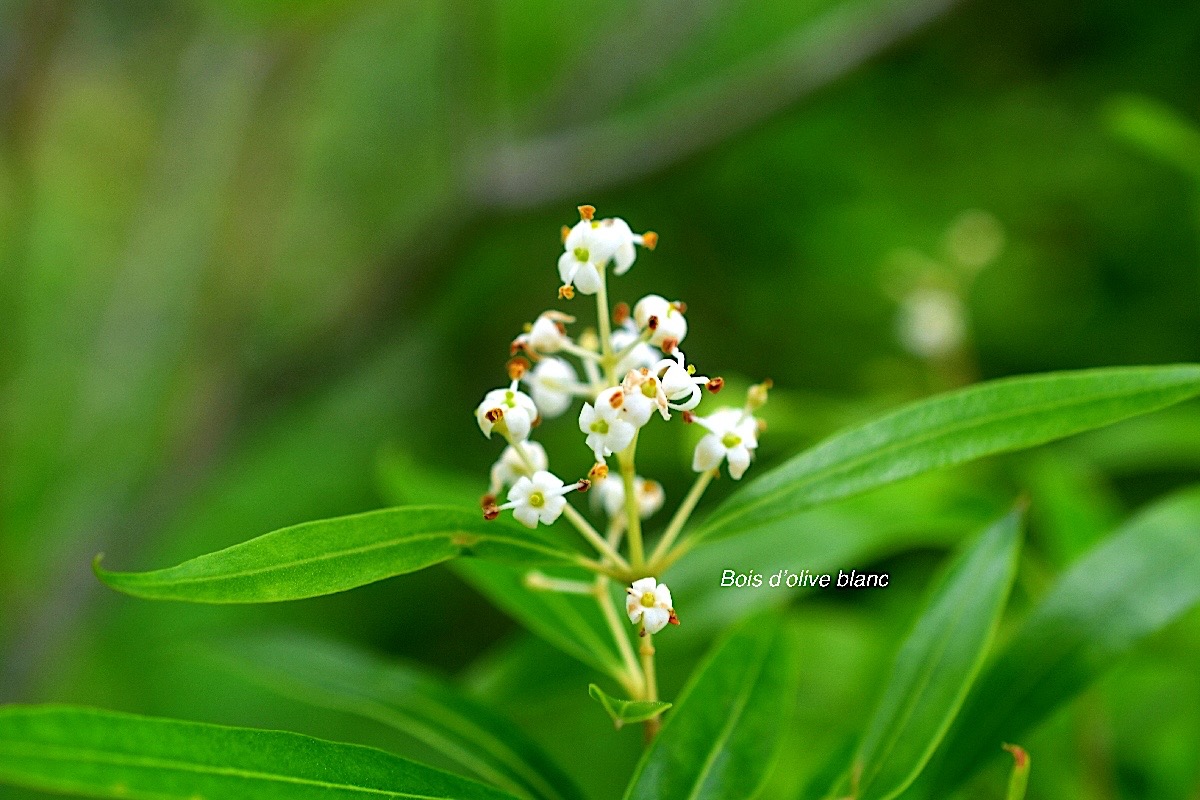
(517, 367)
(587, 212)
(617, 400)
(674, 620)
(620, 313)
(566, 292)
(716, 384)
(652, 323)
(487, 501)
(689, 417)
(583, 485)
(649, 240)
(491, 512)
(669, 345)
(679, 306)
(598, 472)
(565, 232)
(494, 415)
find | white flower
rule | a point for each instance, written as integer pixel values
(624, 240)
(591, 244)
(677, 383)
(640, 355)
(510, 466)
(649, 603)
(642, 396)
(547, 334)
(610, 495)
(552, 383)
(662, 318)
(732, 435)
(607, 430)
(932, 323)
(537, 499)
(511, 411)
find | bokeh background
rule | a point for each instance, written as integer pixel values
(259, 260)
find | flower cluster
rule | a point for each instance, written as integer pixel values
(623, 373)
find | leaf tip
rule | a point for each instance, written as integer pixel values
(1019, 754)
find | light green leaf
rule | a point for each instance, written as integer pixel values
(109, 755)
(1134, 583)
(407, 698)
(722, 739)
(953, 428)
(572, 623)
(1156, 129)
(333, 555)
(1018, 779)
(623, 711)
(937, 663)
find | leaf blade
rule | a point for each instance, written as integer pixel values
(332, 675)
(953, 428)
(334, 555)
(723, 736)
(112, 755)
(625, 711)
(937, 663)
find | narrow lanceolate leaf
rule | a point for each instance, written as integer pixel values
(953, 428)
(108, 755)
(333, 555)
(1018, 779)
(343, 678)
(937, 663)
(1134, 583)
(623, 711)
(722, 738)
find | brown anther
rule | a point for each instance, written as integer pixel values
(561, 328)
(537, 422)
(491, 512)
(566, 292)
(649, 240)
(486, 501)
(761, 424)
(647, 486)
(516, 347)
(617, 400)
(652, 323)
(674, 620)
(642, 632)
(620, 312)
(584, 484)
(565, 232)
(517, 367)
(587, 212)
(668, 345)
(716, 384)
(598, 472)
(645, 370)
(689, 417)
(494, 415)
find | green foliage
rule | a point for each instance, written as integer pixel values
(937, 664)
(626, 711)
(953, 428)
(333, 555)
(407, 698)
(724, 734)
(108, 755)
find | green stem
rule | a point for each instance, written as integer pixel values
(542, 582)
(649, 683)
(633, 520)
(635, 679)
(593, 536)
(682, 514)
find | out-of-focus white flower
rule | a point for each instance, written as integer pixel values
(546, 335)
(610, 495)
(552, 384)
(640, 355)
(510, 411)
(510, 466)
(663, 319)
(732, 435)
(607, 430)
(649, 603)
(536, 499)
(931, 323)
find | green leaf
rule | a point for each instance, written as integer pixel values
(1134, 583)
(333, 555)
(105, 754)
(407, 698)
(623, 711)
(953, 428)
(1018, 779)
(572, 623)
(937, 663)
(722, 739)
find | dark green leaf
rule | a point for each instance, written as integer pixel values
(409, 699)
(724, 734)
(937, 663)
(1134, 583)
(109, 755)
(953, 428)
(333, 555)
(623, 711)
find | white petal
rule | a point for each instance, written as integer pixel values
(552, 510)
(596, 444)
(708, 455)
(623, 258)
(655, 619)
(620, 435)
(520, 491)
(643, 585)
(567, 266)
(587, 279)
(527, 515)
(519, 423)
(634, 608)
(739, 460)
(662, 596)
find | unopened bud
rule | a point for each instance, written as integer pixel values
(756, 398)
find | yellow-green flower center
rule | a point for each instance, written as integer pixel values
(600, 427)
(582, 254)
(731, 440)
(648, 599)
(650, 388)
(510, 399)
(537, 499)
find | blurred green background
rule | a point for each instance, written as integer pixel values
(255, 255)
